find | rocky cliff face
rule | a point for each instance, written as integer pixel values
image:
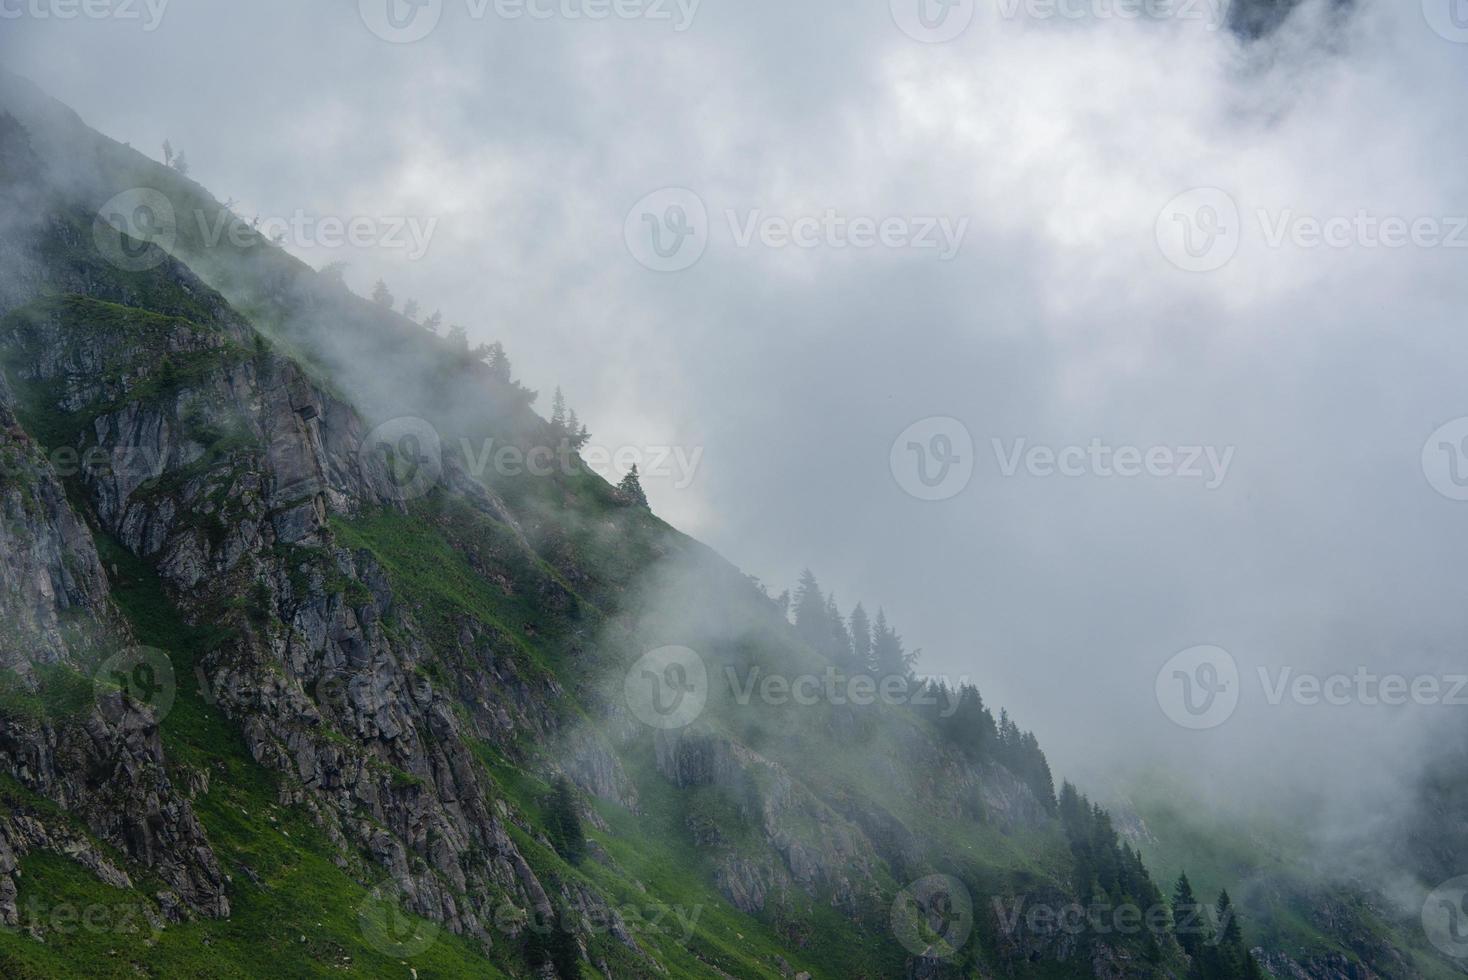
(51, 583)
(221, 464)
(834, 860)
(98, 756)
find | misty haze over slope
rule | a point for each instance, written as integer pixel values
(1304, 379)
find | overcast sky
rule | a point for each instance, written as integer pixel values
(1050, 151)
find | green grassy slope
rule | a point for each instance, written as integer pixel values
(1289, 900)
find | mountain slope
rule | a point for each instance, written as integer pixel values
(380, 720)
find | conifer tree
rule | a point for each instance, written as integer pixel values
(888, 657)
(565, 951)
(335, 273)
(810, 611)
(1072, 809)
(1037, 774)
(631, 488)
(1187, 917)
(572, 430)
(380, 294)
(499, 362)
(838, 641)
(553, 944)
(861, 638)
(968, 724)
(565, 823)
(1232, 934)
